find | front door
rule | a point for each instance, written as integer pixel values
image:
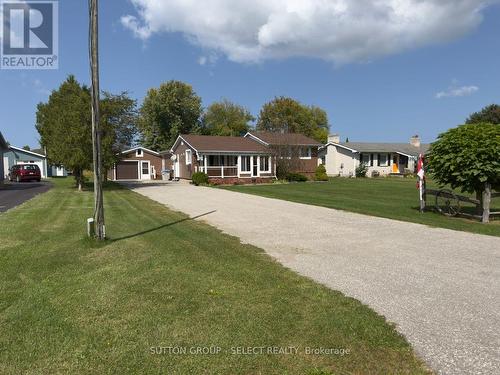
(395, 163)
(145, 170)
(255, 167)
(177, 173)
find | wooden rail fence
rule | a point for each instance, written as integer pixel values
(449, 203)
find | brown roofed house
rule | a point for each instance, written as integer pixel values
(252, 158)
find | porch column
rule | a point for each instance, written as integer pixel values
(239, 166)
(205, 163)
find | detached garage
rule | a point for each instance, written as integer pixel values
(16, 155)
(137, 164)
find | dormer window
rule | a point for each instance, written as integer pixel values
(138, 153)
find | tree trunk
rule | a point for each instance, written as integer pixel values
(486, 203)
(78, 179)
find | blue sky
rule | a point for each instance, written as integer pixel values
(371, 96)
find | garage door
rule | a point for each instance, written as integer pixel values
(127, 170)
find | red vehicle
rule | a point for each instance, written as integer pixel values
(25, 172)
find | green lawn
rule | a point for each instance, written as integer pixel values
(68, 305)
(393, 198)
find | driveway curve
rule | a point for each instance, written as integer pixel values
(440, 287)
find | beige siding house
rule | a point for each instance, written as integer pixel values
(342, 159)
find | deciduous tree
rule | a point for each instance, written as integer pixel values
(227, 119)
(290, 116)
(119, 116)
(490, 114)
(167, 111)
(467, 157)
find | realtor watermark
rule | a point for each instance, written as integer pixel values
(248, 350)
(30, 34)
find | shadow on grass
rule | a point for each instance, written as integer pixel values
(160, 227)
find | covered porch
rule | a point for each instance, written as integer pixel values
(236, 165)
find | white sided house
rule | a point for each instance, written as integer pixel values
(384, 159)
(17, 155)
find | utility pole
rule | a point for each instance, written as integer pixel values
(100, 231)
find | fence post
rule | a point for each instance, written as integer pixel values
(486, 202)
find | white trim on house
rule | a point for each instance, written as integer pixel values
(338, 145)
(309, 153)
(142, 148)
(189, 157)
(144, 176)
(256, 139)
(402, 153)
(177, 140)
(28, 152)
(268, 170)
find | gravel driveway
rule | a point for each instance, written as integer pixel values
(440, 287)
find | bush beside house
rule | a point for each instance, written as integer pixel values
(200, 178)
(296, 177)
(321, 173)
(361, 170)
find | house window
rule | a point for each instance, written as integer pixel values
(145, 167)
(138, 152)
(383, 160)
(365, 159)
(189, 157)
(305, 152)
(232, 161)
(264, 164)
(214, 161)
(245, 164)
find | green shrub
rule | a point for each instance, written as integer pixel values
(320, 174)
(362, 170)
(199, 178)
(296, 177)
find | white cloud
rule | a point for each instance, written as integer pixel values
(210, 59)
(341, 31)
(202, 60)
(455, 91)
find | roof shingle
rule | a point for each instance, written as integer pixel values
(404, 148)
(294, 139)
(206, 143)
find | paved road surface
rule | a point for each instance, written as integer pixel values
(441, 287)
(14, 194)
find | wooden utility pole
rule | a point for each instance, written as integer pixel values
(100, 231)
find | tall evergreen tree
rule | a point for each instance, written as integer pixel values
(64, 124)
(65, 127)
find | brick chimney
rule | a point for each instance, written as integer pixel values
(334, 138)
(415, 141)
